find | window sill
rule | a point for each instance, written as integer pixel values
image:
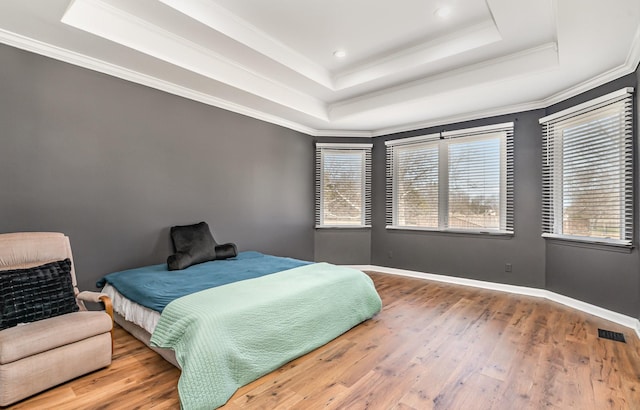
(478, 232)
(593, 243)
(343, 227)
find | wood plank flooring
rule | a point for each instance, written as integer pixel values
(433, 346)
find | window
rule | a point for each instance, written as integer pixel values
(343, 185)
(454, 181)
(588, 171)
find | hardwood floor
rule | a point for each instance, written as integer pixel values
(433, 346)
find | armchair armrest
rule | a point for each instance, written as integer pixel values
(97, 297)
(88, 296)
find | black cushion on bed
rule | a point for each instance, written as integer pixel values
(226, 251)
(179, 261)
(193, 244)
(41, 292)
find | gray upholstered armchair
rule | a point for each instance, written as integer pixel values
(47, 335)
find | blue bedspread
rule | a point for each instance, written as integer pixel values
(155, 287)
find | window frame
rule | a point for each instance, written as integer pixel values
(553, 127)
(442, 141)
(365, 151)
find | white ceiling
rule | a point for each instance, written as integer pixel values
(405, 67)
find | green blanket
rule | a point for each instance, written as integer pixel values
(228, 336)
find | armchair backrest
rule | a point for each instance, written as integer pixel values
(28, 249)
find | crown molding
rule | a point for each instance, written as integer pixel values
(633, 58)
(493, 112)
(492, 71)
(81, 60)
(440, 48)
(341, 133)
(629, 66)
(619, 318)
(101, 19)
(222, 20)
(71, 57)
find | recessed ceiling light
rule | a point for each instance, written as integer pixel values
(340, 54)
(443, 12)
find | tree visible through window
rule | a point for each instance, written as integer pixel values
(592, 185)
(417, 188)
(343, 178)
(342, 185)
(588, 171)
(474, 184)
(460, 180)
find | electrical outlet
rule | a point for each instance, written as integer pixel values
(390, 254)
(508, 267)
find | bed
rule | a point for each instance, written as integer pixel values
(227, 322)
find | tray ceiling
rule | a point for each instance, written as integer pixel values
(405, 66)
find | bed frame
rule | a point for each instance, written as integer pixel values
(144, 336)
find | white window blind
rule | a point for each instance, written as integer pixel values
(343, 185)
(460, 180)
(588, 171)
(417, 185)
(474, 183)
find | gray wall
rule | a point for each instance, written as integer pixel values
(114, 164)
(472, 256)
(599, 275)
(595, 274)
(343, 246)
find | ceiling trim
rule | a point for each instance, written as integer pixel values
(440, 48)
(629, 66)
(222, 20)
(633, 58)
(94, 64)
(494, 112)
(112, 23)
(342, 133)
(71, 57)
(497, 70)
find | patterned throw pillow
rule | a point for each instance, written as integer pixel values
(28, 295)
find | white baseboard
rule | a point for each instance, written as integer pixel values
(624, 320)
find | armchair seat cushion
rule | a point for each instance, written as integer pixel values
(32, 338)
